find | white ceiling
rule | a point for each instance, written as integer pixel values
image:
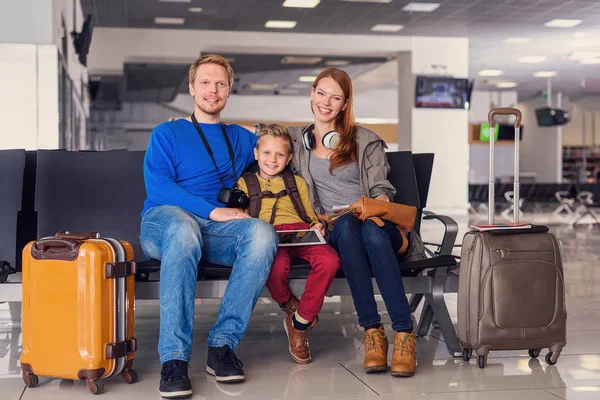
(487, 23)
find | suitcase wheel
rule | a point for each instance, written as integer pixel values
(96, 387)
(551, 359)
(129, 376)
(31, 380)
(466, 354)
(481, 361)
(534, 353)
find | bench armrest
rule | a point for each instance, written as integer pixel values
(450, 232)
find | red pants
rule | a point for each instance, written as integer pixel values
(324, 262)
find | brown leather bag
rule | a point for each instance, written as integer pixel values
(401, 215)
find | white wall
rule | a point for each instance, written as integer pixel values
(573, 131)
(25, 21)
(29, 106)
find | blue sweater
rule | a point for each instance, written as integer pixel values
(178, 170)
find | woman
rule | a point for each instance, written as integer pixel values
(341, 162)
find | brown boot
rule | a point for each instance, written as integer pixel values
(404, 358)
(376, 348)
(291, 306)
(298, 341)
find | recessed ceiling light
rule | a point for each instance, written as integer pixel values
(544, 74)
(517, 40)
(280, 24)
(300, 60)
(590, 61)
(307, 78)
(421, 7)
(195, 9)
(582, 55)
(562, 23)
(579, 34)
(288, 91)
(169, 21)
(368, 1)
(387, 28)
(337, 63)
(299, 85)
(261, 86)
(301, 3)
(506, 85)
(490, 72)
(532, 59)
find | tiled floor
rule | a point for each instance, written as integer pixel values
(336, 371)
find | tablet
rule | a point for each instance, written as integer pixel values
(302, 237)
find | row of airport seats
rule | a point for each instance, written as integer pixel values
(46, 191)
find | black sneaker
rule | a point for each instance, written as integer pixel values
(174, 381)
(224, 365)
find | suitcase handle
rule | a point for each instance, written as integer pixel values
(55, 249)
(505, 111)
(76, 236)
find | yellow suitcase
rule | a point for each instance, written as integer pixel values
(78, 309)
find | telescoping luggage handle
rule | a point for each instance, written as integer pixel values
(492, 181)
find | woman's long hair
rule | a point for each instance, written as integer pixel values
(347, 149)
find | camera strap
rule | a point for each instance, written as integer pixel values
(210, 152)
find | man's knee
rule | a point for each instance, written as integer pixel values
(262, 237)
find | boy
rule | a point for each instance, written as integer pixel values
(273, 152)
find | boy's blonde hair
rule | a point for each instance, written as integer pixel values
(211, 59)
(275, 130)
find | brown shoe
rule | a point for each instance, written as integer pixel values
(404, 358)
(291, 306)
(298, 341)
(376, 348)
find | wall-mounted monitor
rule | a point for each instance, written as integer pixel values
(443, 92)
(547, 116)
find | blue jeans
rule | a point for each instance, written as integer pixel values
(179, 239)
(364, 246)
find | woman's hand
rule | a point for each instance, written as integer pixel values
(319, 226)
(382, 197)
(226, 214)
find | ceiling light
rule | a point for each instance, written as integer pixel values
(299, 85)
(582, 55)
(280, 24)
(368, 1)
(288, 91)
(506, 85)
(517, 40)
(307, 78)
(176, 1)
(169, 21)
(579, 34)
(387, 28)
(421, 7)
(544, 74)
(590, 61)
(532, 59)
(562, 23)
(261, 86)
(195, 9)
(490, 72)
(300, 60)
(337, 63)
(301, 3)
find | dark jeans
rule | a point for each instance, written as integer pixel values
(364, 246)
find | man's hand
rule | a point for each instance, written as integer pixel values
(226, 214)
(319, 226)
(383, 197)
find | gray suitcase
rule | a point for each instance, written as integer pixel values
(511, 292)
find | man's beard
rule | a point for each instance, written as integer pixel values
(212, 110)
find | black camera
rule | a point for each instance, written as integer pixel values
(234, 198)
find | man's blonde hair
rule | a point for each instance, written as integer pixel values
(275, 130)
(211, 59)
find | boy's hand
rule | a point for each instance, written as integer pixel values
(226, 214)
(319, 226)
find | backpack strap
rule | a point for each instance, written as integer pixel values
(289, 181)
(253, 193)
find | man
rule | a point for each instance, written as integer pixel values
(190, 168)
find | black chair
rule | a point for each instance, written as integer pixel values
(84, 192)
(12, 168)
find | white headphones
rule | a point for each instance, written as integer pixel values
(330, 140)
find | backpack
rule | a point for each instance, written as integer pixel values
(256, 195)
